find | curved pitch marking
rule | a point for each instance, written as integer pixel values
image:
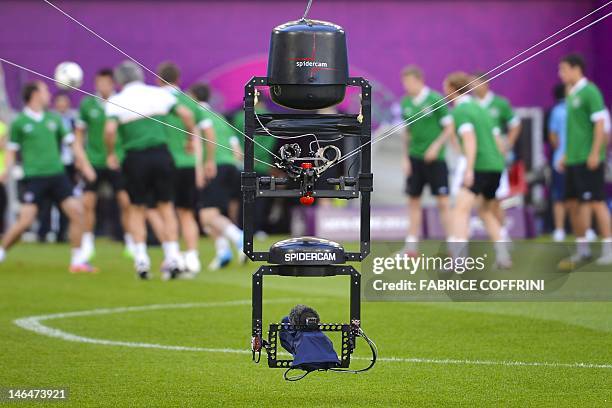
(34, 324)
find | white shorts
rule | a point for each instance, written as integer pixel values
(457, 176)
(503, 191)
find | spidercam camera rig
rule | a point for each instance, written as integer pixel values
(307, 70)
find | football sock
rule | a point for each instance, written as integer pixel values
(140, 254)
(233, 233)
(171, 250)
(606, 246)
(129, 242)
(222, 246)
(582, 247)
(412, 243)
(75, 257)
(88, 240)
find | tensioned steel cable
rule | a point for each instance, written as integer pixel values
(307, 9)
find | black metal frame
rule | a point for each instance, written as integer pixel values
(261, 187)
(255, 187)
(349, 331)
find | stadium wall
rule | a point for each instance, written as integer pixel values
(383, 36)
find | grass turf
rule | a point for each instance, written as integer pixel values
(34, 281)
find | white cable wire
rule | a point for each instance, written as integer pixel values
(155, 74)
(391, 132)
(301, 136)
(119, 106)
(325, 141)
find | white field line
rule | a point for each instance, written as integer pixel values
(34, 324)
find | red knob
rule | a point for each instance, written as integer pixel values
(307, 165)
(307, 200)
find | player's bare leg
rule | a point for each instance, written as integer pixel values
(74, 211)
(73, 208)
(138, 227)
(123, 201)
(487, 213)
(415, 215)
(444, 211)
(233, 211)
(191, 234)
(500, 215)
(579, 214)
(602, 217)
(27, 215)
(559, 213)
(222, 230)
(89, 206)
(168, 217)
(172, 256)
(459, 229)
(583, 220)
(157, 224)
(572, 209)
(223, 248)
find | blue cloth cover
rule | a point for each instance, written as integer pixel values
(311, 350)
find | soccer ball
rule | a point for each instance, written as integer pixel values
(68, 74)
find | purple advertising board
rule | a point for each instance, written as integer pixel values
(390, 223)
(227, 41)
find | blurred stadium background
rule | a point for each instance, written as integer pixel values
(195, 353)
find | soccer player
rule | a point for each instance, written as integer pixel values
(509, 125)
(214, 197)
(557, 136)
(52, 223)
(191, 171)
(37, 135)
(585, 155)
(148, 168)
(424, 161)
(484, 165)
(89, 131)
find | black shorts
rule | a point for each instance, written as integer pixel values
(223, 188)
(35, 189)
(435, 174)
(72, 173)
(584, 184)
(185, 191)
(149, 175)
(486, 183)
(112, 177)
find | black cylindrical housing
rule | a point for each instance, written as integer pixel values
(308, 64)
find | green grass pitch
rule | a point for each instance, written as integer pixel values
(434, 354)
